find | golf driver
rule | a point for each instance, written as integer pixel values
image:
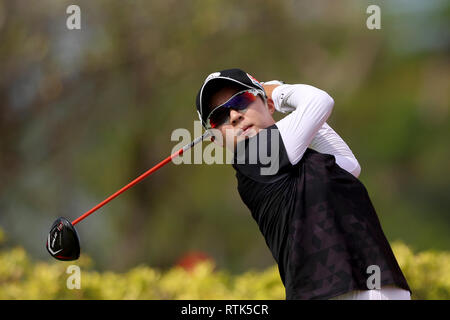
(63, 242)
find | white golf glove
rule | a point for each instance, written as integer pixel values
(280, 104)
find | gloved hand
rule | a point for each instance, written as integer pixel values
(269, 86)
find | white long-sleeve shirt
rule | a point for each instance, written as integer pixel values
(306, 125)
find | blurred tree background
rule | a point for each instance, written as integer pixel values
(83, 112)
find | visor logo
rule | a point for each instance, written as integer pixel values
(212, 76)
(254, 81)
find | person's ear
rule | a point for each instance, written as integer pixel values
(271, 105)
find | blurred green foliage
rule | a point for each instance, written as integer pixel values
(428, 274)
(82, 112)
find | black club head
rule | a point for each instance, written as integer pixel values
(62, 241)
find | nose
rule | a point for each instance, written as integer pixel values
(235, 117)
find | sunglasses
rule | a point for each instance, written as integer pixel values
(239, 102)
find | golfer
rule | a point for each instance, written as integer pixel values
(313, 211)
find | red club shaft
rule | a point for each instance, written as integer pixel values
(140, 178)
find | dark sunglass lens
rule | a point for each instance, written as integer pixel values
(238, 102)
(241, 101)
(219, 116)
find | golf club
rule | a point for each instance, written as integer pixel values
(63, 242)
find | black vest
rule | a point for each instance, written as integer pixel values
(318, 221)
